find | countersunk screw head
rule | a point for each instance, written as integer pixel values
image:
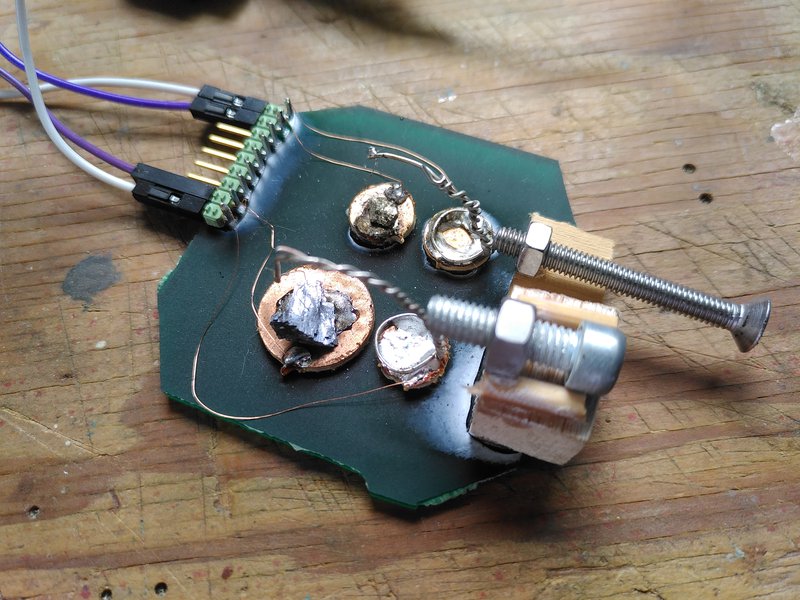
(752, 323)
(746, 322)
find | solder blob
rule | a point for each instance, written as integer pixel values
(314, 320)
(410, 354)
(382, 216)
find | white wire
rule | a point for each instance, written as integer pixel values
(44, 117)
(142, 84)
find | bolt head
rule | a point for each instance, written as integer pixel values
(752, 324)
(598, 359)
(506, 354)
(537, 240)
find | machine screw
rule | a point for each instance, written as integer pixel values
(746, 322)
(587, 360)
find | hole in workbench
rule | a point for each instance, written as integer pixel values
(705, 198)
(160, 589)
(106, 594)
(33, 512)
(689, 168)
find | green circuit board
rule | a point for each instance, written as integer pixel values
(411, 449)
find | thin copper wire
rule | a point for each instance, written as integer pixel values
(433, 172)
(220, 305)
(259, 273)
(262, 267)
(442, 180)
(342, 163)
(223, 301)
(369, 142)
(313, 403)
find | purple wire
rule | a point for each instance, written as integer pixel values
(102, 94)
(67, 132)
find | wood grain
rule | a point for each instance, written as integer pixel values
(690, 484)
(565, 310)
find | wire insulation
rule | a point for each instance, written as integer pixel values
(123, 82)
(44, 116)
(87, 91)
(67, 132)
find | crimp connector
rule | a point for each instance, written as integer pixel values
(215, 105)
(181, 195)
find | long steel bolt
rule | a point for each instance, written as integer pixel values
(587, 359)
(746, 322)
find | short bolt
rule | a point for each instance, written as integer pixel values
(586, 360)
(746, 322)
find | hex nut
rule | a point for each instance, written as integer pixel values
(536, 241)
(506, 354)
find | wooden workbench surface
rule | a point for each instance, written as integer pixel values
(689, 487)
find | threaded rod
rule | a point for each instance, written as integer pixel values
(745, 321)
(648, 288)
(551, 349)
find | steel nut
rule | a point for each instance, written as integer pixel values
(506, 353)
(536, 241)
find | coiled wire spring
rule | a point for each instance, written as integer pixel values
(436, 175)
(287, 253)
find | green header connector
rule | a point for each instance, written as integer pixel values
(228, 197)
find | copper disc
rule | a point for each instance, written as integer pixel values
(351, 341)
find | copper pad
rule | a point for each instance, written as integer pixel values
(351, 341)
